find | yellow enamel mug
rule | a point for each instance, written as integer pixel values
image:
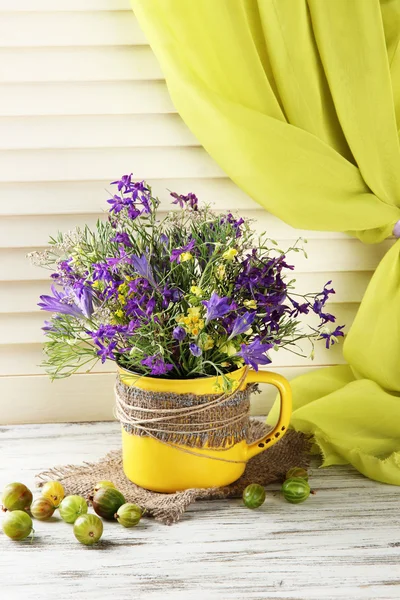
(162, 467)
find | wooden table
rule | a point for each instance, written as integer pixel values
(344, 542)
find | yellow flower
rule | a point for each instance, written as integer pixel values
(97, 285)
(123, 288)
(228, 348)
(230, 254)
(122, 299)
(250, 304)
(119, 313)
(196, 290)
(207, 343)
(194, 311)
(220, 272)
(185, 256)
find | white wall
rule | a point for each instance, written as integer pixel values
(82, 100)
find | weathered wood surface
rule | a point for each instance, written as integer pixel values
(344, 542)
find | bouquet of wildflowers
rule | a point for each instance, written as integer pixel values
(191, 294)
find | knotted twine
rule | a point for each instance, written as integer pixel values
(212, 420)
(207, 425)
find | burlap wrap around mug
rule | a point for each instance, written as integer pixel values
(198, 425)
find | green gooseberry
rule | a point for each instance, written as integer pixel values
(254, 495)
(17, 525)
(16, 496)
(42, 509)
(297, 472)
(295, 490)
(107, 501)
(88, 529)
(72, 507)
(129, 514)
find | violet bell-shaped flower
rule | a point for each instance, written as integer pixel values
(216, 307)
(143, 268)
(61, 303)
(242, 324)
(254, 354)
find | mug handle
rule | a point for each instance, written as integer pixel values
(280, 428)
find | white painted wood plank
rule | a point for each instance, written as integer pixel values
(219, 550)
(35, 230)
(22, 296)
(83, 197)
(86, 397)
(92, 164)
(85, 98)
(324, 257)
(36, 399)
(26, 359)
(62, 5)
(95, 28)
(111, 131)
(78, 64)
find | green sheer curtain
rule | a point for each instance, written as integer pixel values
(298, 101)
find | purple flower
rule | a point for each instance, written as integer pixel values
(104, 332)
(176, 253)
(122, 238)
(106, 352)
(190, 200)
(84, 298)
(216, 307)
(101, 272)
(156, 365)
(229, 218)
(320, 301)
(164, 239)
(195, 350)
(150, 306)
(143, 268)
(48, 326)
(242, 324)
(331, 337)
(179, 334)
(299, 309)
(170, 295)
(60, 303)
(254, 354)
(124, 182)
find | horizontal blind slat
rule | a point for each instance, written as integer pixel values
(32, 231)
(110, 131)
(91, 164)
(62, 5)
(85, 98)
(78, 64)
(69, 29)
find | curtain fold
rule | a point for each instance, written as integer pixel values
(299, 101)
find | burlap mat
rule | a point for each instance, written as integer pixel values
(269, 466)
